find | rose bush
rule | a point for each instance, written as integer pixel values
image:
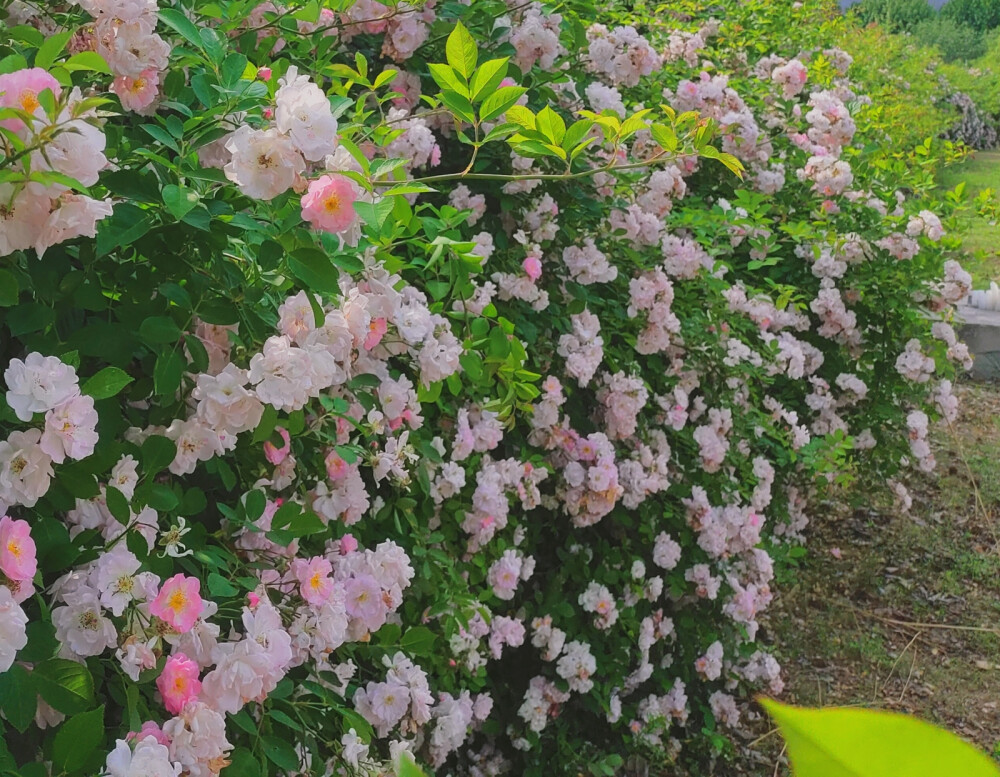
(440, 379)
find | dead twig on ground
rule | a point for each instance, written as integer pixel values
(898, 659)
(944, 626)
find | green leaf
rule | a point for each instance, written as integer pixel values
(76, 739)
(29, 317)
(266, 426)
(459, 105)
(461, 52)
(18, 697)
(219, 586)
(488, 77)
(167, 372)
(519, 115)
(407, 767)
(447, 78)
(842, 742)
(118, 505)
(314, 268)
(107, 383)
(551, 125)
(162, 498)
(242, 764)
(126, 225)
(159, 133)
(9, 291)
(500, 101)
(87, 60)
(157, 454)
(176, 19)
(281, 753)
(52, 48)
(418, 641)
(179, 200)
(575, 133)
(64, 684)
(159, 329)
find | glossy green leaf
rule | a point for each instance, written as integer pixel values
(66, 685)
(107, 383)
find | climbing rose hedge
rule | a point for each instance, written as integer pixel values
(442, 379)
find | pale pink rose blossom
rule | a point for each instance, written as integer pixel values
(70, 430)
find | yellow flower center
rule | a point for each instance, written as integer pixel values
(14, 548)
(138, 85)
(29, 101)
(332, 203)
(177, 601)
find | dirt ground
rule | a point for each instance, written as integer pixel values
(901, 612)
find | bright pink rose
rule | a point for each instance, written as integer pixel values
(329, 204)
(20, 90)
(264, 73)
(179, 603)
(178, 682)
(17, 550)
(532, 267)
(278, 455)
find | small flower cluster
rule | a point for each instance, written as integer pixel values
(38, 209)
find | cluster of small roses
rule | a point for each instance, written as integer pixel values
(621, 55)
(124, 33)
(43, 384)
(38, 209)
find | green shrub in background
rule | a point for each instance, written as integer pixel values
(980, 78)
(980, 15)
(955, 39)
(894, 15)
